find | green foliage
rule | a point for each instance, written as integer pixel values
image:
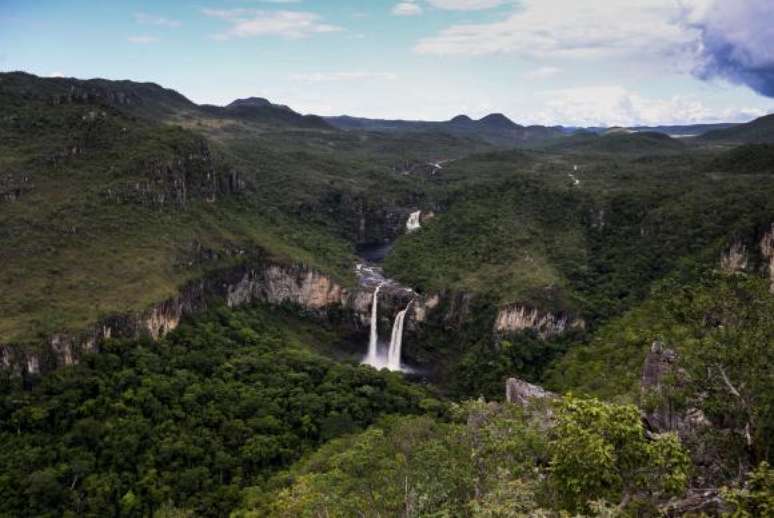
(600, 451)
(756, 498)
(490, 461)
(183, 424)
(722, 329)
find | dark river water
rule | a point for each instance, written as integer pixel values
(374, 252)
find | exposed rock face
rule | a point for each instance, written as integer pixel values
(735, 259)
(659, 375)
(274, 283)
(520, 392)
(174, 182)
(516, 318)
(423, 307)
(279, 284)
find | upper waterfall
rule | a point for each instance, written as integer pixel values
(413, 221)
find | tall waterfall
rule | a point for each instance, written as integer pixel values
(396, 342)
(374, 341)
(413, 222)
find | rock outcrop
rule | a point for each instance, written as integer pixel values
(521, 393)
(742, 255)
(660, 379)
(517, 318)
(735, 259)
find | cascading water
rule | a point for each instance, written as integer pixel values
(371, 359)
(396, 342)
(413, 222)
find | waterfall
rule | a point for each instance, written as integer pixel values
(396, 342)
(413, 222)
(374, 341)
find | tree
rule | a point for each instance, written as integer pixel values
(600, 451)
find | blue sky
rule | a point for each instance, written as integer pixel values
(574, 62)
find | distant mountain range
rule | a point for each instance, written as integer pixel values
(495, 128)
(153, 101)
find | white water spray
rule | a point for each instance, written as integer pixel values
(413, 222)
(396, 342)
(374, 341)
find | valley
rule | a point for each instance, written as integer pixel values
(247, 311)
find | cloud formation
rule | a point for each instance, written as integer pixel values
(566, 29)
(406, 9)
(736, 41)
(607, 105)
(245, 23)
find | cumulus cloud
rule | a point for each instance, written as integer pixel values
(607, 105)
(736, 41)
(568, 28)
(319, 77)
(246, 23)
(406, 9)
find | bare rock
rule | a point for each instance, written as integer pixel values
(520, 392)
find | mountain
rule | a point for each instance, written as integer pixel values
(255, 102)
(759, 131)
(496, 128)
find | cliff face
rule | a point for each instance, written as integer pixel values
(191, 174)
(740, 257)
(516, 318)
(276, 284)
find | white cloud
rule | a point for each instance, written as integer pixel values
(406, 9)
(542, 73)
(149, 19)
(142, 40)
(287, 24)
(56, 74)
(618, 106)
(319, 77)
(467, 5)
(568, 28)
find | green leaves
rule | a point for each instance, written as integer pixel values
(220, 404)
(600, 451)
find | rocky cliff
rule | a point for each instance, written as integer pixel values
(311, 291)
(516, 318)
(755, 254)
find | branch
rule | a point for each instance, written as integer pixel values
(729, 386)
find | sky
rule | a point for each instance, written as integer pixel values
(570, 62)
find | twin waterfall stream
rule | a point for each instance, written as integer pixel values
(392, 359)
